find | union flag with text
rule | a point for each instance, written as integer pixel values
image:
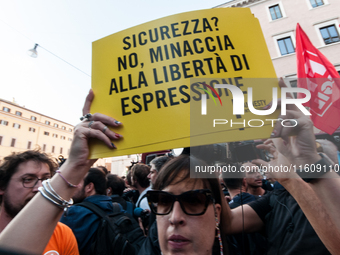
(317, 74)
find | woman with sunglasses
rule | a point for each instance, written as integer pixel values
(189, 211)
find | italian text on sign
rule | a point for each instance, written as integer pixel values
(141, 76)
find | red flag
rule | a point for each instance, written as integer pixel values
(317, 74)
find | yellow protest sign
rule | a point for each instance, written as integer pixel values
(141, 76)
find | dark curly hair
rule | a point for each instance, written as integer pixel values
(139, 172)
(10, 165)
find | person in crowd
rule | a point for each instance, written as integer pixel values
(254, 179)
(128, 182)
(251, 243)
(21, 174)
(237, 188)
(115, 188)
(156, 165)
(104, 169)
(139, 179)
(318, 199)
(303, 210)
(47, 205)
(151, 245)
(190, 212)
(130, 194)
(293, 211)
(83, 222)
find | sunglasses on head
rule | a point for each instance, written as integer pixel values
(193, 202)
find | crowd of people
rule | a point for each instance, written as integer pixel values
(46, 208)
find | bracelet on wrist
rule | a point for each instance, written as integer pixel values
(69, 184)
(49, 193)
(324, 163)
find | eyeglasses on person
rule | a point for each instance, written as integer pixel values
(192, 202)
(31, 181)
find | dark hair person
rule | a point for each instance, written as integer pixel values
(11, 162)
(190, 212)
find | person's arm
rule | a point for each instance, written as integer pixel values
(242, 218)
(317, 212)
(34, 225)
(327, 189)
(245, 219)
(319, 200)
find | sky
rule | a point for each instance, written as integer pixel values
(57, 81)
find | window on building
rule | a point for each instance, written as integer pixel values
(62, 137)
(275, 12)
(46, 133)
(5, 109)
(31, 129)
(44, 147)
(18, 113)
(61, 150)
(33, 118)
(53, 149)
(16, 125)
(286, 45)
(55, 135)
(0, 140)
(70, 129)
(4, 122)
(63, 127)
(29, 145)
(47, 122)
(70, 139)
(330, 34)
(13, 142)
(55, 125)
(316, 3)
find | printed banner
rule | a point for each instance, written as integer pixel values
(141, 76)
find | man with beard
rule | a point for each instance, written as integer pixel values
(254, 179)
(21, 175)
(83, 222)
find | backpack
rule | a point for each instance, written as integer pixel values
(127, 206)
(118, 233)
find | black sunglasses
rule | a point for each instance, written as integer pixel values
(193, 202)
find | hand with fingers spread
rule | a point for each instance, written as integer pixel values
(93, 126)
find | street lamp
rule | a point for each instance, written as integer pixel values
(33, 52)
